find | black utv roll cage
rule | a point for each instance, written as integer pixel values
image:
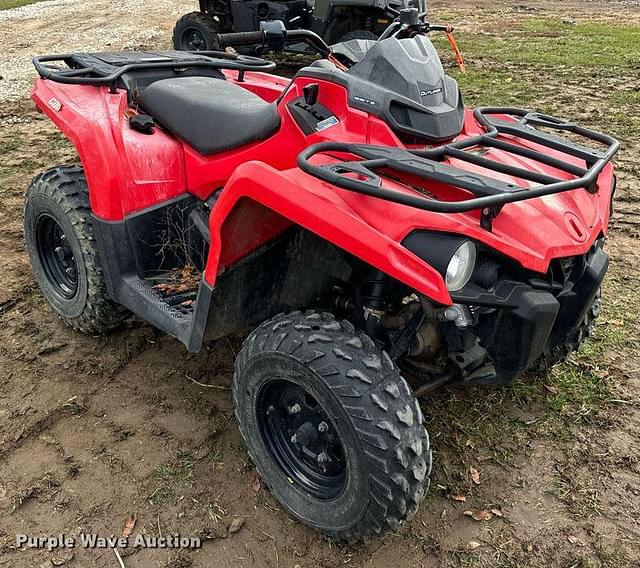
(489, 194)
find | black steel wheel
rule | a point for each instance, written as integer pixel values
(196, 32)
(301, 437)
(56, 256)
(332, 427)
(63, 252)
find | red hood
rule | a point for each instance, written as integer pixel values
(532, 232)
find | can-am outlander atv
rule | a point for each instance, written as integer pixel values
(377, 228)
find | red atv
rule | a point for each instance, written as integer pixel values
(376, 227)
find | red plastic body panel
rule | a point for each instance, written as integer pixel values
(263, 192)
(126, 171)
(324, 212)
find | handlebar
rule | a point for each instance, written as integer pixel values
(241, 38)
(275, 37)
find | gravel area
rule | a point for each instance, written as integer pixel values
(57, 26)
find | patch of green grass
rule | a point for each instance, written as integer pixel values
(165, 472)
(483, 87)
(162, 494)
(6, 4)
(443, 17)
(578, 493)
(178, 472)
(215, 458)
(544, 63)
(10, 145)
(577, 392)
(626, 96)
(171, 477)
(185, 460)
(550, 41)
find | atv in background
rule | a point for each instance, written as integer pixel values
(334, 21)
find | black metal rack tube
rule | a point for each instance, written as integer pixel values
(595, 160)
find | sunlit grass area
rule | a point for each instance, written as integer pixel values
(6, 4)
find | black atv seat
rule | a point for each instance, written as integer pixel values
(211, 115)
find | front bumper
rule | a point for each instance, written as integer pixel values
(518, 320)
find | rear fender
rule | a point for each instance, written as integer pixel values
(126, 171)
(274, 200)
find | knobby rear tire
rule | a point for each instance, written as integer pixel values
(61, 194)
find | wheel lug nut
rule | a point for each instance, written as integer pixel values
(270, 409)
(295, 409)
(323, 427)
(294, 439)
(322, 457)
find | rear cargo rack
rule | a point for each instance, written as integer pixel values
(107, 68)
(489, 194)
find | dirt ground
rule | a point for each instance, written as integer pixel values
(93, 429)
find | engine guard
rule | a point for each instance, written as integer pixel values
(577, 297)
(522, 320)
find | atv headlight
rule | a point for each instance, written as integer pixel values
(461, 266)
(452, 256)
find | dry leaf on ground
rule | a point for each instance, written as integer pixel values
(473, 544)
(129, 524)
(475, 475)
(236, 525)
(256, 484)
(459, 498)
(479, 515)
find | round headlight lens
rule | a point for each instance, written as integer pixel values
(461, 266)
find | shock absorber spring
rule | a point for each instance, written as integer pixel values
(374, 300)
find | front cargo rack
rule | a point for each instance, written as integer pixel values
(489, 194)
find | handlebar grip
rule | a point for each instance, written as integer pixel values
(241, 38)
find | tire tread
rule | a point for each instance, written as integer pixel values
(67, 186)
(384, 413)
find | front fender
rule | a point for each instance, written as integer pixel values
(319, 208)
